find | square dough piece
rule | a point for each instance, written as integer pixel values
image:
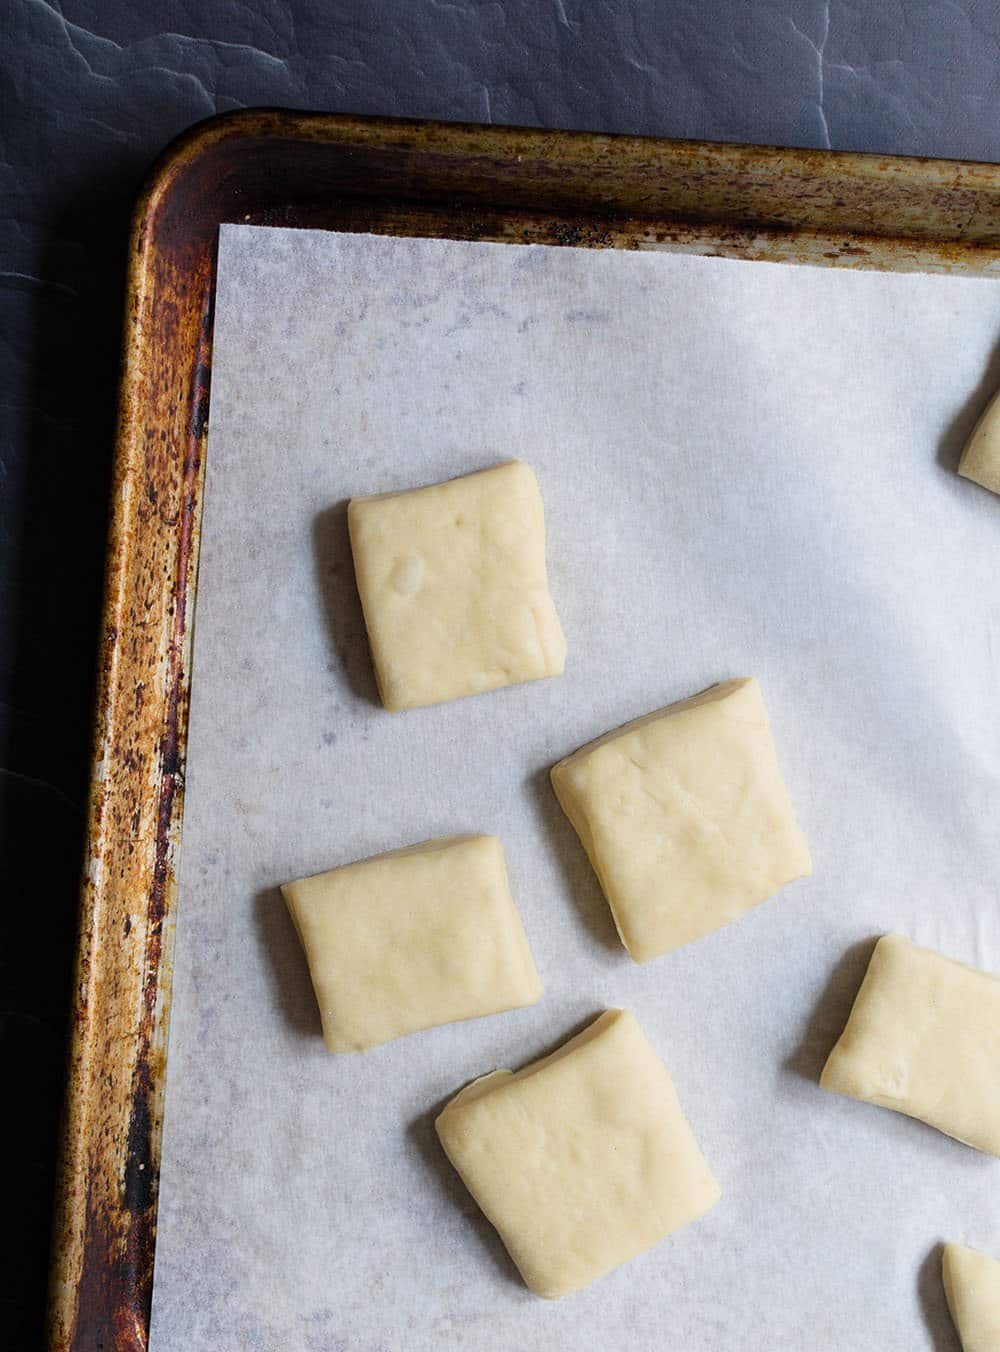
(972, 1286)
(582, 1160)
(685, 817)
(453, 586)
(412, 939)
(923, 1039)
(981, 457)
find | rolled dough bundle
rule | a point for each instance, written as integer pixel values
(581, 1160)
(923, 1039)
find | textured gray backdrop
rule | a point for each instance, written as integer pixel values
(90, 90)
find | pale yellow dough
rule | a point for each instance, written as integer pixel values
(972, 1285)
(981, 457)
(581, 1160)
(685, 817)
(454, 588)
(923, 1039)
(408, 940)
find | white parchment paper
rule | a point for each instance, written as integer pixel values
(747, 469)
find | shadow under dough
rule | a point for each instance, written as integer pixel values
(958, 431)
(581, 880)
(826, 1023)
(286, 963)
(345, 621)
(934, 1304)
(424, 1138)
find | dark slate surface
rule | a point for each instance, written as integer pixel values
(91, 90)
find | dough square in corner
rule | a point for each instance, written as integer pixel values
(981, 457)
(412, 939)
(972, 1288)
(582, 1160)
(454, 587)
(685, 817)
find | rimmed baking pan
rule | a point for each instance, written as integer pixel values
(319, 171)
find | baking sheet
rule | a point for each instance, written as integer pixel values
(747, 469)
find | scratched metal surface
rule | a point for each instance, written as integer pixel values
(90, 90)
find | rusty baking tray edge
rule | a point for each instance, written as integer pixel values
(324, 171)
